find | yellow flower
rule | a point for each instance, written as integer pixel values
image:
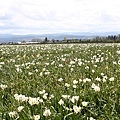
(106, 67)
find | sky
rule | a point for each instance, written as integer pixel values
(59, 16)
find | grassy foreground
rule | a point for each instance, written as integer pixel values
(60, 82)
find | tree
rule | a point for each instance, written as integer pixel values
(23, 41)
(46, 39)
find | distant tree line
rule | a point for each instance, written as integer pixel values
(97, 39)
(108, 38)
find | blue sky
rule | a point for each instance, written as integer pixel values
(56, 16)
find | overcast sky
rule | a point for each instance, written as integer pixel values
(52, 16)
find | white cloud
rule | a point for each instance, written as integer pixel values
(35, 16)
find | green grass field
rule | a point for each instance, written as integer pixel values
(60, 82)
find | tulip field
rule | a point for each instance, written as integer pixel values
(60, 82)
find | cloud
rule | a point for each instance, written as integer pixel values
(24, 16)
